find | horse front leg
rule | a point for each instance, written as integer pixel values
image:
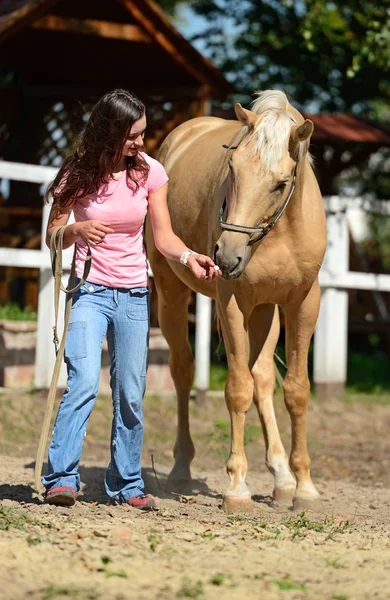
(264, 330)
(238, 397)
(300, 324)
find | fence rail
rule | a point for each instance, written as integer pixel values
(330, 340)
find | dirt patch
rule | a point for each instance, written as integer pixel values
(190, 548)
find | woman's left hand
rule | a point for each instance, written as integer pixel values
(203, 267)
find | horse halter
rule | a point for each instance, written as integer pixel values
(261, 231)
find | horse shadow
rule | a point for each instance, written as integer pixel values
(155, 480)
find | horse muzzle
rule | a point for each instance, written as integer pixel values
(231, 259)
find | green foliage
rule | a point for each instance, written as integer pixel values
(378, 247)
(368, 372)
(335, 53)
(13, 312)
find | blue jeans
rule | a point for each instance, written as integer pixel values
(122, 315)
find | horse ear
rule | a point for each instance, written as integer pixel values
(303, 132)
(246, 117)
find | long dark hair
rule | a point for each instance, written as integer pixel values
(98, 149)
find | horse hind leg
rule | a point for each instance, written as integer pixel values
(263, 334)
(173, 297)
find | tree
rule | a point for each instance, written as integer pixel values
(336, 54)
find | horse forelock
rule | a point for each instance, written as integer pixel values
(272, 133)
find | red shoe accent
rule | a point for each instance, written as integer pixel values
(143, 502)
(61, 496)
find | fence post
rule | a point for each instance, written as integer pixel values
(202, 346)
(331, 334)
(203, 322)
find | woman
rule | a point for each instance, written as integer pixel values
(110, 183)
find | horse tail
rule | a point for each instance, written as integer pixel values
(279, 376)
(219, 330)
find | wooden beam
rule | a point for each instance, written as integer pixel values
(167, 91)
(22, 17)
(104, 29)
(163, 40)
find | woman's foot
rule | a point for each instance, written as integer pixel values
(60, 496)
(142, 502)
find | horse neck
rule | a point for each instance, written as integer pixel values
(295, 210)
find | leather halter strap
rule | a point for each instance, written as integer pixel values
(256, 233)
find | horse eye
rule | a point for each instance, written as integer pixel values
(280, 187)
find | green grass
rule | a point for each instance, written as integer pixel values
(54, 591)
(301, 524)
(107, 572)
(218, 374)
(154, 541)
(368, 373)
(286, 583)
(336, 564)
(218, 579)
(368, 376)
(16, 519)
(191, 589)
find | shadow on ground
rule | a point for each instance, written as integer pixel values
(93, 490)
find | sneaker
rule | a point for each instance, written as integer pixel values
(143, 502)
(61, 496)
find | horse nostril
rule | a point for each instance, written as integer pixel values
(236, 266)
(215, 252)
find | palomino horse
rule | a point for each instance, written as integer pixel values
(229, 182)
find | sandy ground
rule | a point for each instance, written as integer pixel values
(190, 548)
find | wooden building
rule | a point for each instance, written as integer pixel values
(57, 57)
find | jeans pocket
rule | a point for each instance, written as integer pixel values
(138, 304)
(76, 341)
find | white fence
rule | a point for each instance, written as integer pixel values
(331, 334)
(20, 257)
(330, 342)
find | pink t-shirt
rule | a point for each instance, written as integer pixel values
(120, 260)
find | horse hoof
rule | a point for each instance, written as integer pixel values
(302, 503)
(237, 504)
(283, 496)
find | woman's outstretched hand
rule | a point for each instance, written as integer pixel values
(203, 267)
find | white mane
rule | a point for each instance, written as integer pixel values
(273, 132)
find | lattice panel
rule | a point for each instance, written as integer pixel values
(62, 122)
(65, 119)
